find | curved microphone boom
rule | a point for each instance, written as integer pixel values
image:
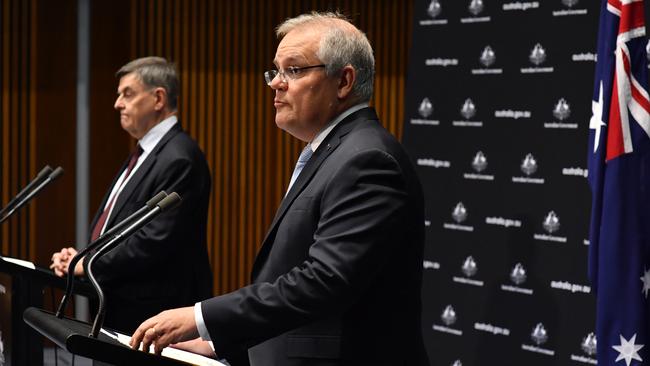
(107, 235)
(167, 203)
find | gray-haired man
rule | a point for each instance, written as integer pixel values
(165, 264)
(337, 279)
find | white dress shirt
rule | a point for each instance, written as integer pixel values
(148, 142)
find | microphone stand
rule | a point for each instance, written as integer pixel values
(167, 203)
(149, 205)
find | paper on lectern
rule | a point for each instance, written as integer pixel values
(169, 352)
(19, 262)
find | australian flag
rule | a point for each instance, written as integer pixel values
(619, 176)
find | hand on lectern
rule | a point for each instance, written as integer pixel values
(61, 261)
(168, 327)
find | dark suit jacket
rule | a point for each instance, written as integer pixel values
(337, 279)
(165, 264)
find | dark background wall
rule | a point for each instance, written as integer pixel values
(221, 49)
(497, 126)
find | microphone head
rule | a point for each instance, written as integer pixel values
(170, 201)
(155, 199)
(45, 171)
(56, 173)
(42, 175)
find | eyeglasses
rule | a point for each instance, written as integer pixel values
(290, 73)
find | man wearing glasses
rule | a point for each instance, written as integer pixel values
(337, 279)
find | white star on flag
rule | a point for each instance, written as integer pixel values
(646, 283)
(596, 122)
(627, 350)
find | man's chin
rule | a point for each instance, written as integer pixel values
(281, 123)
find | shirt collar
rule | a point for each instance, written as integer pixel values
(330, 126)
(149, 141)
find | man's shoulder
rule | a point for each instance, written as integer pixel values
(370, 134)
(367, 137)
(179, 144)
(179, 154)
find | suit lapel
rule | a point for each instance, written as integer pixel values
(324, 150)
(102, 205)
(140, 174)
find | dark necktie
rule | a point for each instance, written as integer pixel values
(104, 216)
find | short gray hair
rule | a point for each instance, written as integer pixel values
(155, 72)
(339, 46)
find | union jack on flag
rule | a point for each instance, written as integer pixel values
(619, 176)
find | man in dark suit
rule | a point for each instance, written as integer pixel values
(165, 264)
(337, 279)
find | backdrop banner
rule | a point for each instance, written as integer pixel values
(498, 106)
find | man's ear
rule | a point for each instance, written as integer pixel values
(161, 98)
(347, 79)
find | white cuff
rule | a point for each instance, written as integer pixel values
(200, 324)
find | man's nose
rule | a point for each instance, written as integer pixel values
(278, 83)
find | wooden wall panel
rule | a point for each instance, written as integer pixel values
(55, 93)
(221, 49)
(109, 144)
(37, 122)
(17, 150)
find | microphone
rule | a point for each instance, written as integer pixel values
(55, 174)
(44, 173)
(149, 205)
(109, 234)
(167, 203)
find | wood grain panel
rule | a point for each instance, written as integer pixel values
(221, 49)
(110, 49)
(17, 121)
(37, 109)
